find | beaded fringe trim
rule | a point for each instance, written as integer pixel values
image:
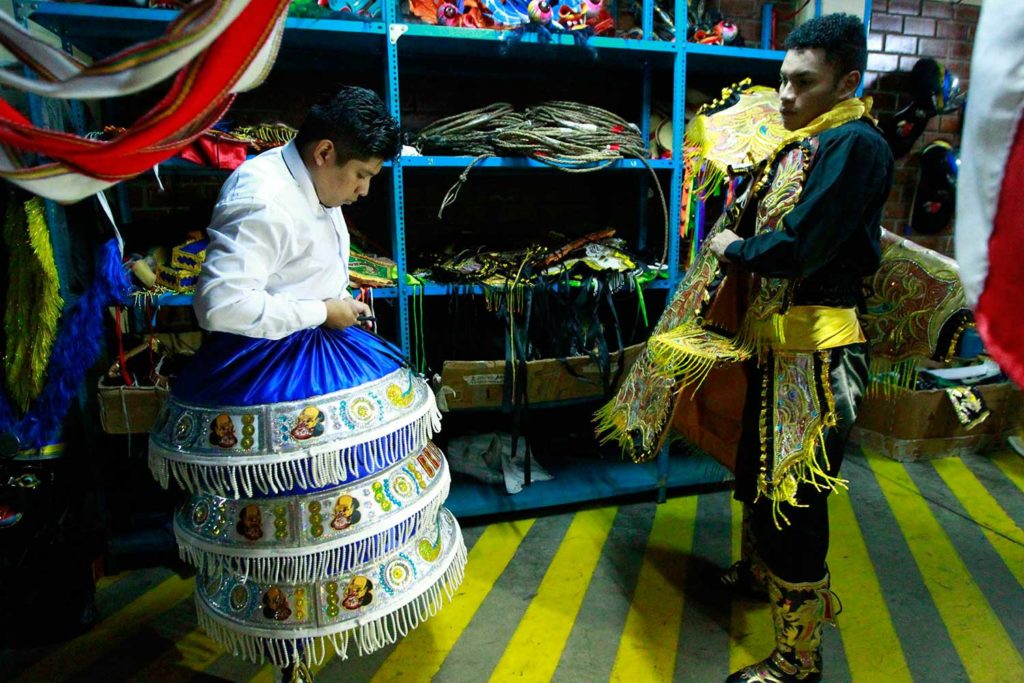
(315, 468)
(312, 566)
(368, 637)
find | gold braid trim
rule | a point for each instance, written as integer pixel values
(955, 340)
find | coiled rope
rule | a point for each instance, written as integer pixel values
(569, 136)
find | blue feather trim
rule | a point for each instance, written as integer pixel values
(75, 350)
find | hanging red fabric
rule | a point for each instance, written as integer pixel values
(198, 97)
(997, 314)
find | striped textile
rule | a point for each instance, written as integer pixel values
(236, 59)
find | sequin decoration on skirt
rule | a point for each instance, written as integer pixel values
(316, 513)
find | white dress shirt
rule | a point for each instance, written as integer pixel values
(275, 252)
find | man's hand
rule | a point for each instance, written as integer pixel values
(720, 242)
(342, 313)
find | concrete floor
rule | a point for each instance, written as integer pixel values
(927, 558)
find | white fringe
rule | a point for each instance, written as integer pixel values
(314, 565)
(368, 637)
(316, 467)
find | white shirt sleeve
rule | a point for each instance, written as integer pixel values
(346, 253)
(248, 239)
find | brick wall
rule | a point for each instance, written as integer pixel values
(903, 31)
(746, 14)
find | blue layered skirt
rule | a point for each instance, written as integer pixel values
(316, 515)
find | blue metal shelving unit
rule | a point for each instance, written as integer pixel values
(426, 289)
(98, 30)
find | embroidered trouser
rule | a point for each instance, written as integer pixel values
(796, 551)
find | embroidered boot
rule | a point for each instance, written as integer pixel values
(799, 611)
(748, 576)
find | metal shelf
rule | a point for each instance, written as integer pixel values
(577, 480)
(177, 165)
(442, 289)
(461, 162)
(416, 39)
(726, 62)
(186, 299)
(393, 47)
(100, 30)
(428, 289)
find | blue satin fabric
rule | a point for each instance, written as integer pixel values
(232, 370)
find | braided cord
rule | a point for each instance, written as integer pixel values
(569, 136)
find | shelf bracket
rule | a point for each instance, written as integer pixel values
(23, 10)
(395, 31)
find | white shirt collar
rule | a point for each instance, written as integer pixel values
(298, 169)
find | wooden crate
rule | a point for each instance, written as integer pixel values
(916, 425)
(480, 384)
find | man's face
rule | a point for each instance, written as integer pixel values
(224, 426)
(341, 184)
(810, 87)
(344, 506)
(274, 598)
(357, 587)
(308, 417)
(251, 516)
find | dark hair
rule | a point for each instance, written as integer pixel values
(356, 121)
(841, 36)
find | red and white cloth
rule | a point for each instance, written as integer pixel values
(990, 189)
(215, 49)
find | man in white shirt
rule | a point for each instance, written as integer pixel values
(277, 261)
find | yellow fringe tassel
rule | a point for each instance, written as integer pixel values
(803, 469)
(890, 378)
(689, 352)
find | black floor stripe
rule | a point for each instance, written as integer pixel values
(481, 645)
(593, 643)
(703, 653)
(923, 635)
(988, 569)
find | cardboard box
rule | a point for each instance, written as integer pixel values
(480, 384)
(917, 425)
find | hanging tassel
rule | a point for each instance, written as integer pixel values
(369, 636)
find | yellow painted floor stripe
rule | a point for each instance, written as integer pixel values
(980, 640)
(1012, 466)
(198, 652)
(421, 653)
(105, 582)
(1000, 530)
(647, 650)
(537, 644)
(265, 675)
(80, 653)
(751, 636)
(865, 624)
